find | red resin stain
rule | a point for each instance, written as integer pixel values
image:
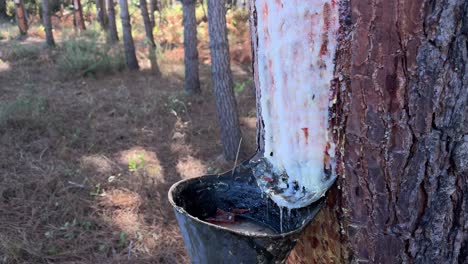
(279, 2)
(268, 179)
(306, 134)
(265, 11)
(326, 27)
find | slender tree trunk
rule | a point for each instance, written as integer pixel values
(113, 36)
(101, 14)
(222, 79)
(147, 22)
(152, 10)
(149, 37)
(47, 23)
(399, 119)
(129, 46)
(192, 79)
(21, 17)
(3, 10)
(79, 21)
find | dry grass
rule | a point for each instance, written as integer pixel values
(86, 163)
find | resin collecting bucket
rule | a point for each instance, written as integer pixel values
(198, 200)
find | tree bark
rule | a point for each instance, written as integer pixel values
(79, 21)
(21, 17)
(47, 23)
(149, 37)
(129, 46)
(222, 79)
(153, 7)
(147, 22)
(192, 79)
(400, 84)
(3, 10)
(101, 14)
(112, 27)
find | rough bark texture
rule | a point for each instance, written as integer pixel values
(101, 14)
(222, 79)
(79, 21)
(129, 46)
(47, 23)
(112, 26)
(192, 79)
(21, 18)
(401, 79)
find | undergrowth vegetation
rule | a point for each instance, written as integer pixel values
(89, 54)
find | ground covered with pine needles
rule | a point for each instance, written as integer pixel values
(89, 150)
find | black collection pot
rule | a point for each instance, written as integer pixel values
(196, 199)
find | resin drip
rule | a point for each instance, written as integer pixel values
(296, 48)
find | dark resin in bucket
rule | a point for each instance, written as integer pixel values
(197, 199)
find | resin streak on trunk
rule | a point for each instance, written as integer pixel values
(295, 62)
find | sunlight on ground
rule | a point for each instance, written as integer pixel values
(139, 159)
(190, 167)
(4, 66)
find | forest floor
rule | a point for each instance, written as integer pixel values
(86, 162)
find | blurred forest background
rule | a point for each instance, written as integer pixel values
(99, 115)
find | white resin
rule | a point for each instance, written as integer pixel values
(296, 48)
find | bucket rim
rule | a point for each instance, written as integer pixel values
(181, 210)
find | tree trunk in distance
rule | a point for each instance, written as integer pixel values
(101, 14)
(3, 10)
(401, 79)
(222, 79)
(21, 17)
(149, 37)
(151, 15)
(147, 22)
(129, 46)
(113, 36)
(192, 79)
(47, 23)
(79, 21)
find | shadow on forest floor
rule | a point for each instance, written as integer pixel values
(86, 163)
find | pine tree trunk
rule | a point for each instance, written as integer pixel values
(400, 114)
(151, 15)
(222, 79)
(3, 10)
(47, 23)
(129, 46)
(101, 14)
(147, 22)
(21, 18)
(149, 37)
(192, 79)
(79, 21)
(113, 36)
